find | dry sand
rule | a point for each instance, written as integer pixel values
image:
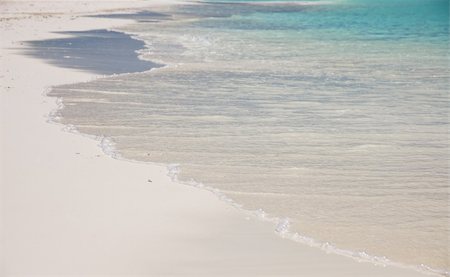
(67, 209)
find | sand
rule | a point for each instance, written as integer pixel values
(68, 209)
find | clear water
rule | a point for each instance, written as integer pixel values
(332, 114)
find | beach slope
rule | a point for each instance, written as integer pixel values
(67, 209)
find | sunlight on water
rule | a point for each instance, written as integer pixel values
(335, 116)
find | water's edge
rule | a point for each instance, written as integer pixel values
(280, 224)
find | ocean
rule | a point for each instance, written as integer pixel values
(330, 116)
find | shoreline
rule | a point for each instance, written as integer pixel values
(75, 157)
(280, 224)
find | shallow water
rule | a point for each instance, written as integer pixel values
(334, 115)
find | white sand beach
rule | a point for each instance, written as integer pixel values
(68, 209)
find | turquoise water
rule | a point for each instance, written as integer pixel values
(332, 114)
(352, 20)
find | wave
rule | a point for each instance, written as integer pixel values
(282, 225)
